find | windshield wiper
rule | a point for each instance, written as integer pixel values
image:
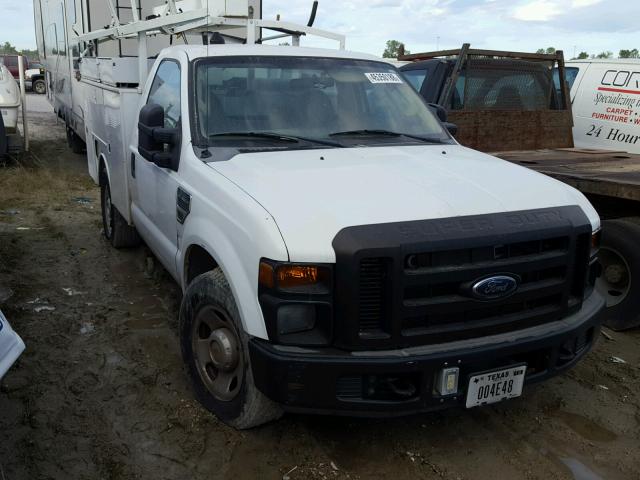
(387, 133)
(277, 137)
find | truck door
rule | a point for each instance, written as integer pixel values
(154, 202)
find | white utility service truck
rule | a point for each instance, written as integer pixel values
(338, 251)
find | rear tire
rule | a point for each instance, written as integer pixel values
(75, 142)
(116, 229)
(40, 87)
(619, 282)
(215, 350)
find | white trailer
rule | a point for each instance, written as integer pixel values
(337, 249)
(68, 31)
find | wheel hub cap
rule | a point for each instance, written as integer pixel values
(614, 273)
(224, 351)
(615, 282)
(218, 353)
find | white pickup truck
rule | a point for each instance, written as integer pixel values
(338, 250)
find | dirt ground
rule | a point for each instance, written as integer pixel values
(101, 393)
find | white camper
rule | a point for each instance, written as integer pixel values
(9, 100)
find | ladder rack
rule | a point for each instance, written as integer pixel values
(199, 16)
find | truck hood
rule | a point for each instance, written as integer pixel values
(313, 194)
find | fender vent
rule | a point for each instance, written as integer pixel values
(372, 288)
(183, 205)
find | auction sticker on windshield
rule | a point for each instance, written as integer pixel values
(495, 386)
(383, 77)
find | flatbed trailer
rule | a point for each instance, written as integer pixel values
(609, 174)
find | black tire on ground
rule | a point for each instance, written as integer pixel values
(40, 87)
(619, 282)
(245, 406)
(75, 142)
(116, 229)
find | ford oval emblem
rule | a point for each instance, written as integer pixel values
(493, 288)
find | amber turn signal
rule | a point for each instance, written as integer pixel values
(596, 239)
(265, 275)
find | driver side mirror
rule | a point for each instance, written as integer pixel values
(442, 115)
(156, 143)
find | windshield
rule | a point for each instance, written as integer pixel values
(339, 102)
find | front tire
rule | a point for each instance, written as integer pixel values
(116, 229)
(619, 282)
(215, 350)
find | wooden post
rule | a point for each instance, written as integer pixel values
(564, 88)
(450, 83)
(23, 95)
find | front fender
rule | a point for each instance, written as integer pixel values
(239, 260)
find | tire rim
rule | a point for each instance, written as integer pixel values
(108, 218)
(40, 88)
(615, 281)
(216, 348)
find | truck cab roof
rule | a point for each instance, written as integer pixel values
(231, 50)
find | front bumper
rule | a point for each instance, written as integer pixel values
(399, 382)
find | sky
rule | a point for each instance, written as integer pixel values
(522, 25)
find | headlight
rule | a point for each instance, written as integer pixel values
(297, 302)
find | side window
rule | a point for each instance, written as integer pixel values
(11, 61)
(570, 74)
(457, 98)
(165, 91)
(416, 78)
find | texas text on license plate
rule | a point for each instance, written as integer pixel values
(496, 385)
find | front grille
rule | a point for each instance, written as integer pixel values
(419, 292)
(435, 304)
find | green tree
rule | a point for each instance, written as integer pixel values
(606, 54)
(7, 49)
(548, 50)
(393, 49)
(633, 53)
(582, 55)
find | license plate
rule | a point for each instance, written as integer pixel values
(495, 386)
